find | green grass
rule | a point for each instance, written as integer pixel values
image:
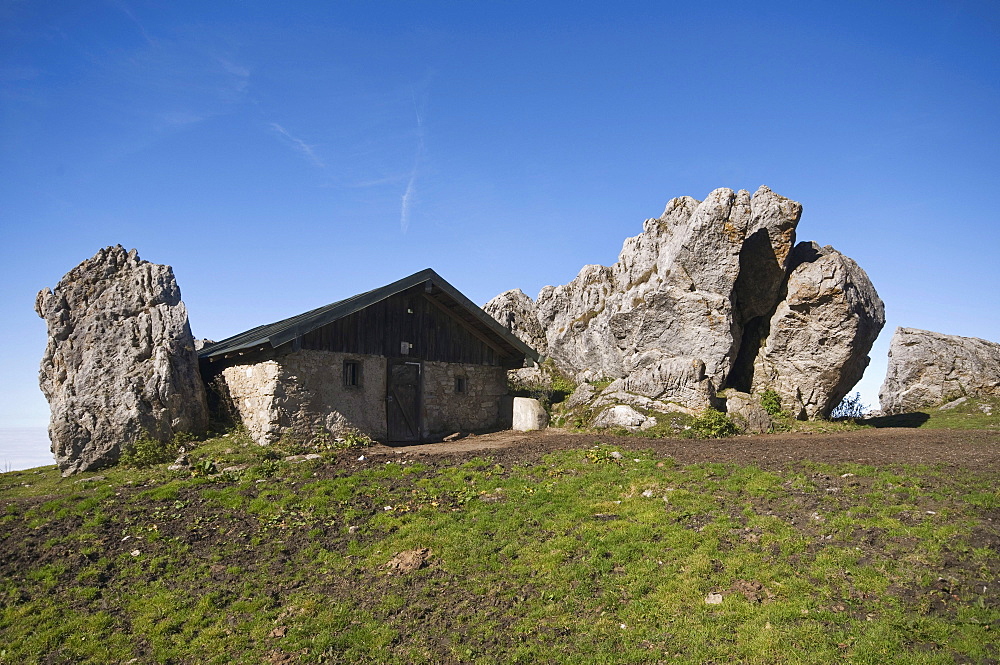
(579, 557)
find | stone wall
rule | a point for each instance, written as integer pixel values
(304, 391)
(446, 411)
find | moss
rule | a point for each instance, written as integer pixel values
(602, 383)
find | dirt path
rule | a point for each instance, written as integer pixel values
(976, 449)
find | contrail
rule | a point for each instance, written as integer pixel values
(407, 202)
(299, 144)
(128, 12)
(404, 210)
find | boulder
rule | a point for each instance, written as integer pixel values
(120, 363)
(746, 411)
(529, 415)
(820, 335)
(680, 380)
(689, 307)
(622, 415)
(583, 394)
(927, 369)
(518, 314)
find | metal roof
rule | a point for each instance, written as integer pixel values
(281, 332)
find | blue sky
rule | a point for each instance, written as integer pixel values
(281, 156)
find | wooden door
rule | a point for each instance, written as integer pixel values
(403, 400)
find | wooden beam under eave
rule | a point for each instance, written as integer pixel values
(465, 324)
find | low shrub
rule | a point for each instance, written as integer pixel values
(600, 454)
(147, 451)
(353, 439)
(712, 424)
(205, 467)
(770, 401)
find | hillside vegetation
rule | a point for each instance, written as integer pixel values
(595, 550)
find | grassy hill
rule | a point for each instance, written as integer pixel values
(611, 551)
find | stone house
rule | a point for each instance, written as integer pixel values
(411, 361)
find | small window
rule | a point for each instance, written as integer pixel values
(461, 384)
(352, 374)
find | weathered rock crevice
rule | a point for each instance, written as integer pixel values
(754, 333)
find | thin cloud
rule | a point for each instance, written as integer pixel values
(408, 196)
(375, 182)
(238, 78)
(404, 210)
(234, 68)
(128, 12)
(300, 145)
(180, 118)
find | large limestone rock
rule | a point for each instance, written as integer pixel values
(746, 411)
(686, 310)
(120, 361)
(820, 334)
(675, 291)
(518, 314)
(927, 369)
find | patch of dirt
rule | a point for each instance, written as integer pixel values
(408, 561)
(752, 590)
(974, 449)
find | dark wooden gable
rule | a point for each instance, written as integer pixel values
(414, 317)
(423, 310)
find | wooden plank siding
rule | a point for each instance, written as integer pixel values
(380, 328)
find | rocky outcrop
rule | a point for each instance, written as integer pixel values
(927, 369)
(120, 362)
(675, 292)
(518, 314)
(819, 337)
(692, 303)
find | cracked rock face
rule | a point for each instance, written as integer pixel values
(518, 314)
(687, 309)
(120, 362)
(927, 369)
(820, 334)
